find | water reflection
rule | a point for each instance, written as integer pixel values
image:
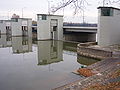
(48, 64)
(5, 41)
(49, 52)
(85, 60)
(9, 40)
(70, 46)
(21, 44)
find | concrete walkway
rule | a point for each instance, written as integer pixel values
(104, 70)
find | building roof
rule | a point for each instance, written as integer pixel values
(108, 7)
(51, 15)
(6, 20)
(23, 18)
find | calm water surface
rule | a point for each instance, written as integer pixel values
(37, 65)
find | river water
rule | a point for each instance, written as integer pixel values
(26, 64)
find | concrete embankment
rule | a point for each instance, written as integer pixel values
(97, 52)
(104, 75)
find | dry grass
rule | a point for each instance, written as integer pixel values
(108, 86)
(85, 72)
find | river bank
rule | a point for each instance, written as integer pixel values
(106, 77)
(103, 75)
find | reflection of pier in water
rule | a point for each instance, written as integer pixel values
(85, 60)
(50, 52)
(70, 53)
(5, 41)
(70, 48)
(21, 44)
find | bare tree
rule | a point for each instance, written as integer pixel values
(76, 4)
(79, 5)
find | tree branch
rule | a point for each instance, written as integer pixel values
(79, 4)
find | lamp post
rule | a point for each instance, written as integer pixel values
(9, 14)
(103, 3)
(23, 11)
(49, 6)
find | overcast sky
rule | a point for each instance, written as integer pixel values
(32, 7)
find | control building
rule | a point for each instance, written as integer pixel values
(108, 26)
(49, 27)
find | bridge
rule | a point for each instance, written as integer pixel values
(76, 29)
(80, 33)
(77, 33)
(80, 29)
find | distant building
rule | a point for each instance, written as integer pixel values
(2, 27)
(8, 27)
(21, 26)
(5, 26)
(15, 16)
(49, 27)
(108, 26)
(5, 41)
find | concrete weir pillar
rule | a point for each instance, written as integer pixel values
(5, 26)
(108, 26)
(2, 27)
(49, 27)
(21, 27)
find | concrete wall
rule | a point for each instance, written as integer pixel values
(80, 37)
(2, 27)
(109, 29)
(59, 32)
(45, 28)
(85, 49)
(3, 42)
(30, 27)
(8, 27)
(60, 29)
(17, 27)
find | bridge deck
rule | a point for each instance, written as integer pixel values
(80, 29)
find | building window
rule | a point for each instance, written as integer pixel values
(54, 28)
(106, 12)
(42, 17)
(1, 21)
(14, 19)
(24, 28)
(39, 17)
